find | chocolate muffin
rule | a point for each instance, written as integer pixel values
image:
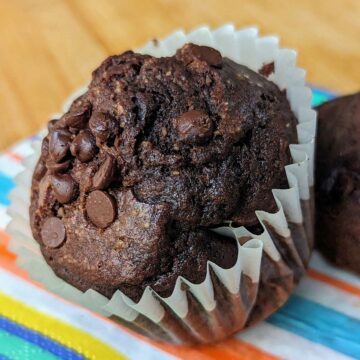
(338, 181)
(156, 153)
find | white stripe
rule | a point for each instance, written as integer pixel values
(4, 217)
(80, 318)
(9, 166)
(319, 263)
(329, 296)
(286, 344)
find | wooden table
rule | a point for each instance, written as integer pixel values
(49, 47)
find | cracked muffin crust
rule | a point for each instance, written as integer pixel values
(157, 152)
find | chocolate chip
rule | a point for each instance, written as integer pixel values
(79, 114)
(64, 187)
(205, 53)
(102, 126)
(53, 232)
(193, 126)
(105, 174)
(267, 69)
(55, 168)
(83, 146)
(59, 144)
(101, 208)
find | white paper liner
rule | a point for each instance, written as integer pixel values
(168, 318)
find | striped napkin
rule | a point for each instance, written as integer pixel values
(320, 321)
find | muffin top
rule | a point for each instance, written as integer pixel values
(154, 154)
(338, 181)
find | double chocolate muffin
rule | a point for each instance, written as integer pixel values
(338, 181)
(155, 154)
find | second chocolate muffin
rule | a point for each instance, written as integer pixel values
(156, 153)
(338, 181)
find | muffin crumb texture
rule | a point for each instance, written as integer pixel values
(156, 153)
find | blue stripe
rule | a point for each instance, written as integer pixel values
(3, 357)
(38, 339)
(323, 92)
(6, 184)
(320, 96)
(319, 324)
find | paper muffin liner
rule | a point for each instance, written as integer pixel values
(268, 265)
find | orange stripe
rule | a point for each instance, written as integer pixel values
(7, 258)
(9, 264)
(4, 252)
(249, 351)
(14, 156)
(235, 349)
(340, 284)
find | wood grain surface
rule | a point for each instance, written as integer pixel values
(48, 48)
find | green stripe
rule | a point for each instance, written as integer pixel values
(15, 348)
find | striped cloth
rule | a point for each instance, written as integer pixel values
(320, 321)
